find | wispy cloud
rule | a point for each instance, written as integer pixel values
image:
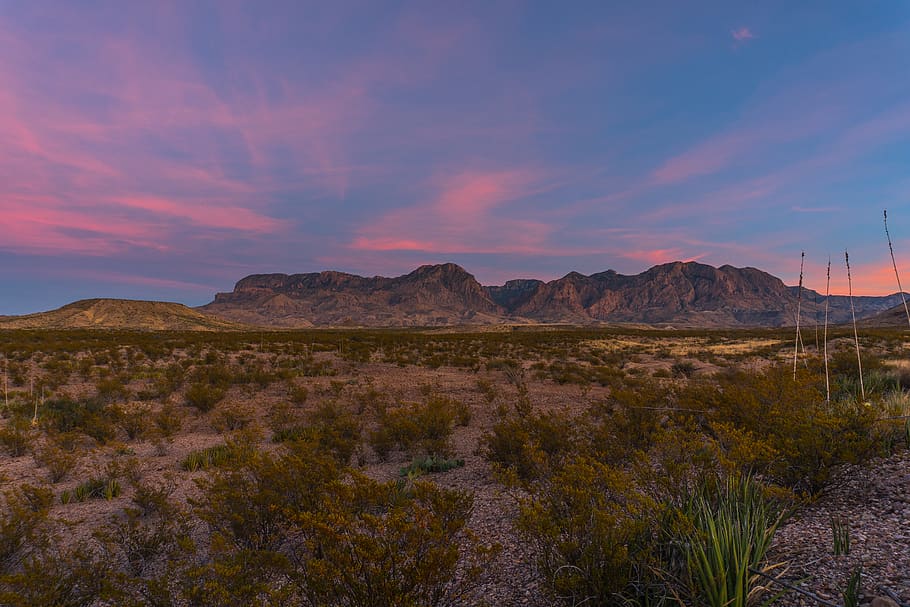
(802, 209)
(742, 34)
(461, 217)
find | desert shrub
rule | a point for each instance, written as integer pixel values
(228, 418)
(90, 417)
(168, 381)
(806, 436)
(297, 394)
(142, 542)
(592, 527)
(79, 578)
(204, 396)
(488, 389)
(329, 426)
(511, 369)
(23, 525)
(563, 372)
(417, 428)
(295, 528)
(430, 465)
(257, 375)
(682, 369)
(111, 389)
(134, 421)
(58, 461)
(525, 443)
(842, 362)
(167, 421)
(335, 431)
(247, 502)
(284, 421)
(16, 436)
(398, 544)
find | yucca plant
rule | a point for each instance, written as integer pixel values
(210, 457)
(850, 594)
(732, 528)
(111, 489)
(840, 530)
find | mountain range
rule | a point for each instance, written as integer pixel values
(676, 294)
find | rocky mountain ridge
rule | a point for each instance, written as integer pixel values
(685, 294)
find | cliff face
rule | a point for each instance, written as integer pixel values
(430, 295)
(684, 294)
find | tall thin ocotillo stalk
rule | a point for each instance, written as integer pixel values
(35, 418)
(827, 298)
(859, 360)
(816, 323)
(894, 263)
(799, 300)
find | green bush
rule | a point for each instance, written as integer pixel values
(23, 525)
(430, 465)
(417, 428)
(16, 436)
(592, 527)
(204, 396)
(90, 417)
(133, 420)
(58, 461)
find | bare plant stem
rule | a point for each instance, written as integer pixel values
(827, 298)
(799, 299)
(816, 323)
(859, 360)
(894, 263)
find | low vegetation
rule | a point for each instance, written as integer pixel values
(346, 467)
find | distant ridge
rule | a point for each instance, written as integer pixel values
(684, 294)
(122, 314)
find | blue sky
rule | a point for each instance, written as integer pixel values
(165, 150)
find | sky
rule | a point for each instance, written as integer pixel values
(164, 150)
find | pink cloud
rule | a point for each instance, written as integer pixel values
(208, 215)
(703, 159)
(136, 279)
(659, 256)
(462, 217)
(742, 34)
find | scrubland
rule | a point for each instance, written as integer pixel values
(369, 468)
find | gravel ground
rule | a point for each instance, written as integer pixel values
(874, 500)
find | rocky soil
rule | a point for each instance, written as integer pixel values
(874, 500)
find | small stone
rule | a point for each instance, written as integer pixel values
(883, 601)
